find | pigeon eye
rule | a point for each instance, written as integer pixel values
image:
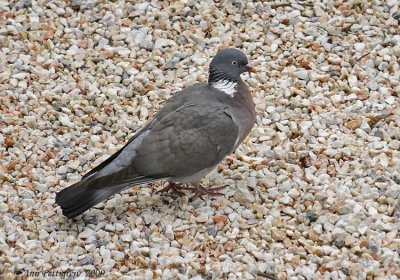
(234, 62)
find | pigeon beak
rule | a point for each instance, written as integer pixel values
(250, 69)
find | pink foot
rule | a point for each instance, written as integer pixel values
(174, 188)
(200, 191)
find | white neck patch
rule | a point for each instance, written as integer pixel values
(226, 86)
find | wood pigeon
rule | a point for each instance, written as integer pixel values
(194, 131)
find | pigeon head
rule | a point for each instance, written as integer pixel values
(227, 65)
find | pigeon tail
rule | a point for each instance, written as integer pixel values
(85, 194)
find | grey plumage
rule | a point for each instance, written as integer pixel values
(187, 138)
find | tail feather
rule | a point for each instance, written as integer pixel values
(85, 194)
(81, 196)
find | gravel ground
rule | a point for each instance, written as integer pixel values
(314, 190)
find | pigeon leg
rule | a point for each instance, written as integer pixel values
(200, 191)
(174, 188)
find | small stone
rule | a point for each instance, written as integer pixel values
(220, 219)
(307, 272)
(127, 237)
(277, 234)
(169, 233)
(294, 193)
(86, 234)
(363, 230)
(270, 109)
(202, 218)
(352, 81)
(372, 85)
(336, 98)
(4, 207)
(147, 42)
(148, 218)
(372, 211)
(244, 196)
(62, 170)
(391, 100)
(119, 227)
(345, 209)
(74, 164)
(88, 260)
(142, 6)
(302, 74)
(161, 43)
(354, 124)
(144, 113)
(135, 233)
(118, 255)
(66, 121)
(13, 82)
(213, 231)
(359, 47)
(30, 121)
